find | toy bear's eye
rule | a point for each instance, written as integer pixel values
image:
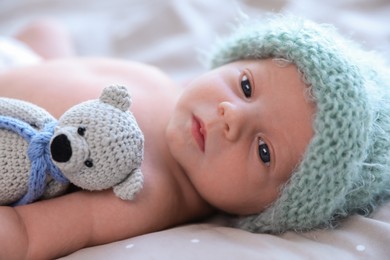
(88, 163)
(81, 131)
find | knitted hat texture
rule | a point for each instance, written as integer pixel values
(346, 166)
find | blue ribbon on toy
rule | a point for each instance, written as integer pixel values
(39, 154)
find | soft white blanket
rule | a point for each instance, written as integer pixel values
(170, 35)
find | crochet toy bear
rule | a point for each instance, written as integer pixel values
(95, 145)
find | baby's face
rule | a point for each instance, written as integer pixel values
(240, 130)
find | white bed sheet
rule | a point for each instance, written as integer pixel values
(169, 34)
(358, 238)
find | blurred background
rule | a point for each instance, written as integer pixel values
(170, 33)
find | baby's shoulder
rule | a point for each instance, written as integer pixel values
(59, 84)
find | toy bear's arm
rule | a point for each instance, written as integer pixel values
(127, 189)
(25, 111)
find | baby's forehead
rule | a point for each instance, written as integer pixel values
(265, 69)
(271, 63)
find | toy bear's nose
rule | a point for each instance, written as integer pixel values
(60, 148)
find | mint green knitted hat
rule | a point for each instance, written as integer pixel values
(346, 166)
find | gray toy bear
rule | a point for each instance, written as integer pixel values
(95, 145)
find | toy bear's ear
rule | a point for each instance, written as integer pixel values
(117, 96)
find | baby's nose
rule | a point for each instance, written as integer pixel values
(61, 149)
(232, 118)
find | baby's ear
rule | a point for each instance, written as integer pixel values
(117, 96)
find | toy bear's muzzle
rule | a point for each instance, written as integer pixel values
(69, 150)
(61, 149)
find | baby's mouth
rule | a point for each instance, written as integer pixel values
(199, 132)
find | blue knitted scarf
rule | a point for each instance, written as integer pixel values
(39, 155)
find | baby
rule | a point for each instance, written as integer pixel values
(290, 130)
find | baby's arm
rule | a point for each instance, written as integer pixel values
(57, 227)
(13, 238)
(47, 229)
(52, 228)
(63, 225)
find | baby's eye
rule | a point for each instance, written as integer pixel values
(246, 86)
(264, 152)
